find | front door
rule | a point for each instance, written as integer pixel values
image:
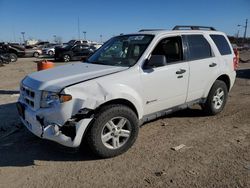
(166, 86)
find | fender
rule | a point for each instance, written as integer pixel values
(93, 94)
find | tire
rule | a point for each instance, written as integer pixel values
(35, 54)
(13, 57)
(51, 53)
(216, 99)
(66, 58)
(108, 139)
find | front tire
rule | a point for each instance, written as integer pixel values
(66, 58)
(13, 57)
(216, 99)
(114, 131)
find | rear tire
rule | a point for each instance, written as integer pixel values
(216, 99)
(51, 53)
(36, 54)
(114, 131)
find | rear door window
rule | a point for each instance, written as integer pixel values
(221, 44)
(198, 47)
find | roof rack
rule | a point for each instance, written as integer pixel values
(193, 27)
(142, 30)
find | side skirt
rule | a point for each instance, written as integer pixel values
(167, 111)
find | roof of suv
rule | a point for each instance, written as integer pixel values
(160, 32)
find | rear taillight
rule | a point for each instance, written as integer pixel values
(236, 59)
(235, 63)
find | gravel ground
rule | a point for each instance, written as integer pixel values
(216, 152)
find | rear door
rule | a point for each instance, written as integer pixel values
(203, 65)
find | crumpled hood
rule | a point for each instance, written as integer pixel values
(57, 78)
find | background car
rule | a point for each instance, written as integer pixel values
(32, 52)
(49, 49)
(7, 54)
(76, 52)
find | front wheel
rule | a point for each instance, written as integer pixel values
(114, 131)
(216, 99)
(66, 58)
(13, 57)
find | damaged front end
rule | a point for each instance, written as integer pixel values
(69, 134)
(63, 117)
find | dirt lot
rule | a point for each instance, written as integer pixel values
(217, 152)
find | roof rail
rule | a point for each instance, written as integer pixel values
(193, 27)
(142, 30)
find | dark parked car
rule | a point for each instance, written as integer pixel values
(75, 52)
(16, 49)
(21, 51)
(6, 54)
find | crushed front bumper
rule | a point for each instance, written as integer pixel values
(52, 131)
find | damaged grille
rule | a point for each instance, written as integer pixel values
(28, 96)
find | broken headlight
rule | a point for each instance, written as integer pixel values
(48, 98)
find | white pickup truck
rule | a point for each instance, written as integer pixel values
(130, 80)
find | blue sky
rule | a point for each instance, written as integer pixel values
(45, 18)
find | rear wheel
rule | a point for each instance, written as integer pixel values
(216, 99)
(51, 53)
(66, 58)
(36, 54)
(114, 131)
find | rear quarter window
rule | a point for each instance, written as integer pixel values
(222, 44)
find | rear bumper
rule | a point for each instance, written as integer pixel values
(52, 131)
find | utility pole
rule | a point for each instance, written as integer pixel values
(245, 32)
(23, 36)
(55, 38)
(78, 26)
(84, 33)
(101, 38)
(237, 35)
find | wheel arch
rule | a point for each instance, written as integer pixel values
(223, 77)
(113, 101)
(121, 101)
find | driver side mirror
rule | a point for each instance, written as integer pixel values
(155, 61)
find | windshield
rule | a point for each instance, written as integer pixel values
(71, 42)
(124, 50)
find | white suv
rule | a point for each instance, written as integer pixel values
(130, 80)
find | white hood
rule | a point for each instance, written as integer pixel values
(57, 78)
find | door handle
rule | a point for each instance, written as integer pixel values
(212, 65)
(181, 71)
